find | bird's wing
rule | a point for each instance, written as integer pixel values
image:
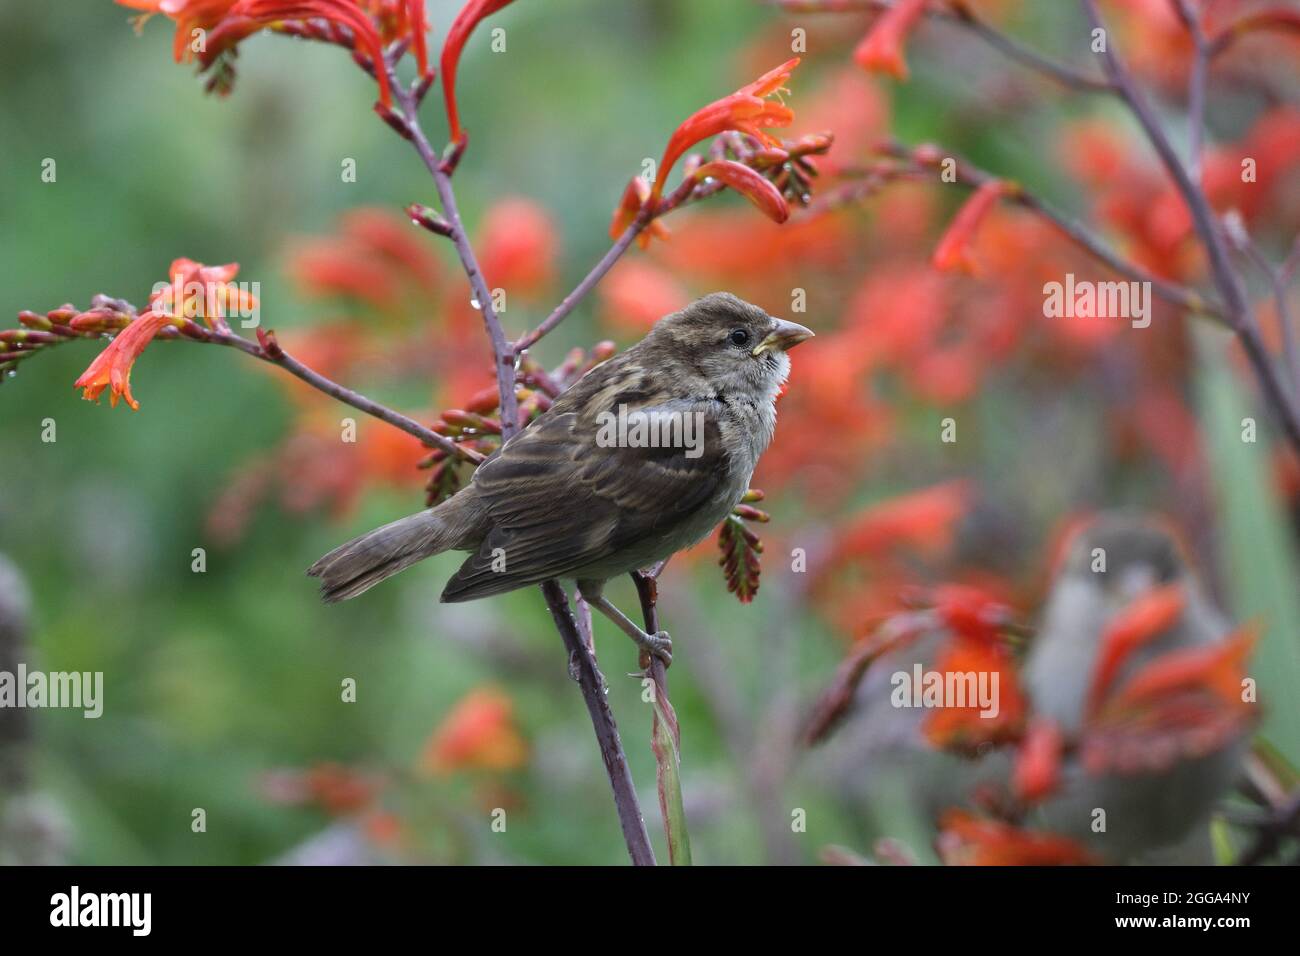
(559, 502)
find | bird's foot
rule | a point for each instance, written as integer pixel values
(658, 644)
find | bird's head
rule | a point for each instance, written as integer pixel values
(735, 345)
(1135, 552)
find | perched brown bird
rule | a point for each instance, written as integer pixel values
(642, 457)
(1156, 814)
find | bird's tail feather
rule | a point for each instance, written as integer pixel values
(363, 562)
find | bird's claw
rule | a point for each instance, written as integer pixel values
(659, 645)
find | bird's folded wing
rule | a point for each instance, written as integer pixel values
(560, 501)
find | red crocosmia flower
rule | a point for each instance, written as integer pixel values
(418, 26)
(953, 251)
(748, 110)
(461, 28)
(479, 734)
(1037, 772)
(1183, 705)
(330, 267)
(204, 292)
(189, 15)
(112, 367)
(1274, 17)
(922, 520)
(391, 237)
(968, 840)
(519, 243)
(946, 375)
(1145, 619)
(637, 294)
(634, 197)
(335, 788)
(1215, 669)
(384, 828)
(971, 613)
(391, 456)
(966, 726)
(247, 16)
(765, 196)
(338, 789)
(881, 50)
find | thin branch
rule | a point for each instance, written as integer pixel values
(1180, 295)
(1019, 53)
(582, 659)
(582, 663)
(1272, 828)
(686, 192)
(502, 350)
(665, 731)
(271, 351)
(567, 304)
(1196, 86)
(268, 351)
(957, 11)
(1226, 280)
(1278, 281)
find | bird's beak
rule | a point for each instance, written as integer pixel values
(785, 335)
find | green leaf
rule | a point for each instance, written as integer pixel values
(1258, 552)
(668, 772)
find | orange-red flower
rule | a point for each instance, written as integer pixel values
(1183, 705)
(750, 184)
(479, 734)
(924, 520)
(629, 207)
(967, 840)
(195, 290)
(967, 727)
(1140, 623)
(189, 15)
(461, 28)
(953, 251)
(881, 50)
(518, 242)
(390, 237)
(112, 367)
(1037, 771)
(748, 110)
(366, 26)
(637, 294)
(198, 291)
(971, 613)
(344, 13)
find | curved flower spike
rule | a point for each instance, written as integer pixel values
(461, 28)
(748, 110)
(881, 50)
(112, 367)
(953, 251)
(189, 16)
(750, 184)
(634, 197)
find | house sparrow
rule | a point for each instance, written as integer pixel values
(1155, 815)
(642, 457)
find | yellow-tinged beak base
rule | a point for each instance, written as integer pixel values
(785, 336)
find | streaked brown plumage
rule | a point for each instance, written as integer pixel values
(557, 503)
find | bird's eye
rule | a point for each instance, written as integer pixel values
(738, 337)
